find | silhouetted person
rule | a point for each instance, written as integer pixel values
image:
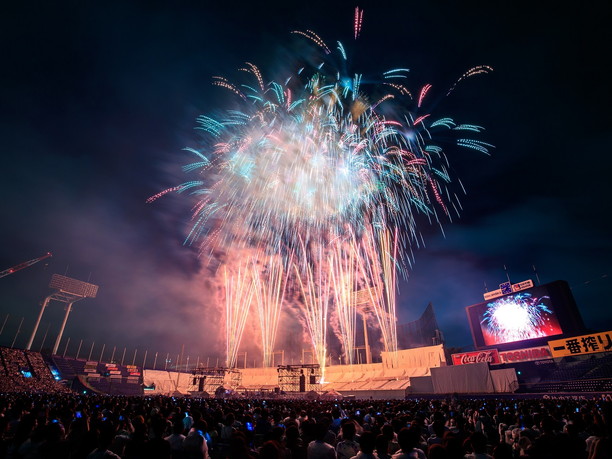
(409, 440)
(478, 444)
(105, 439)
(382, 447)
(157, 447)
(503, 451)
(437, 451)
(367, 443)
(270, 450)
(318, 449)
(347, 447)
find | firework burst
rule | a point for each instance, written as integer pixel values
(327, 170)
(313, 155)
(239, 291)
(269, 294)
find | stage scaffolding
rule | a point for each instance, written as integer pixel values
(209, 379)
(299, 378)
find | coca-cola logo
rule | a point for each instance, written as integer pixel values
(477, 358)
(490, 356)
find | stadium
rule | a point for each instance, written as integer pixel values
(270, 242)
(548, 351)
(545, 358)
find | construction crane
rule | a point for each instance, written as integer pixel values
(25, 264)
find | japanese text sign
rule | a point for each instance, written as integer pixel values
(584, 344)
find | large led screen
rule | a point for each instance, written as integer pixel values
(536, 313)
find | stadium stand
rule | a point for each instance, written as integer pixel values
(26, 371)
(103, 378)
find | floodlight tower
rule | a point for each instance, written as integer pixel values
(67, 290)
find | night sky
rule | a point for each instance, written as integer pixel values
(97, 100)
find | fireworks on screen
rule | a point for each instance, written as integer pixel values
(518, 317)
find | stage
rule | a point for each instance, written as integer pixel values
(407, 373)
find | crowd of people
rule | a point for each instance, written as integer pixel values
(38, 425)
(26, 371)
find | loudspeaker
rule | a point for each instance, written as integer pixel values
(201, 385)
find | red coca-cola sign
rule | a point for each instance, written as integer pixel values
(488, 356)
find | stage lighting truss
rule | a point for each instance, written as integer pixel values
(299, 378)
(209, 379)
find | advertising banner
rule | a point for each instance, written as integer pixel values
(525, 355)
(488, 356)
(506, 288)
(579, 345)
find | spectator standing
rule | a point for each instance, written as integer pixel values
(382, 447)
(503, 451)
(194, 445)
(294, 442)
(176, 439)
(367, 443)
(270, 450)
(318, 449)
(437, 451)
(348, 447)
(187, 422)
(55, 445)
(478, 444)
(105, 439)
(409, 439)
(157, 447)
